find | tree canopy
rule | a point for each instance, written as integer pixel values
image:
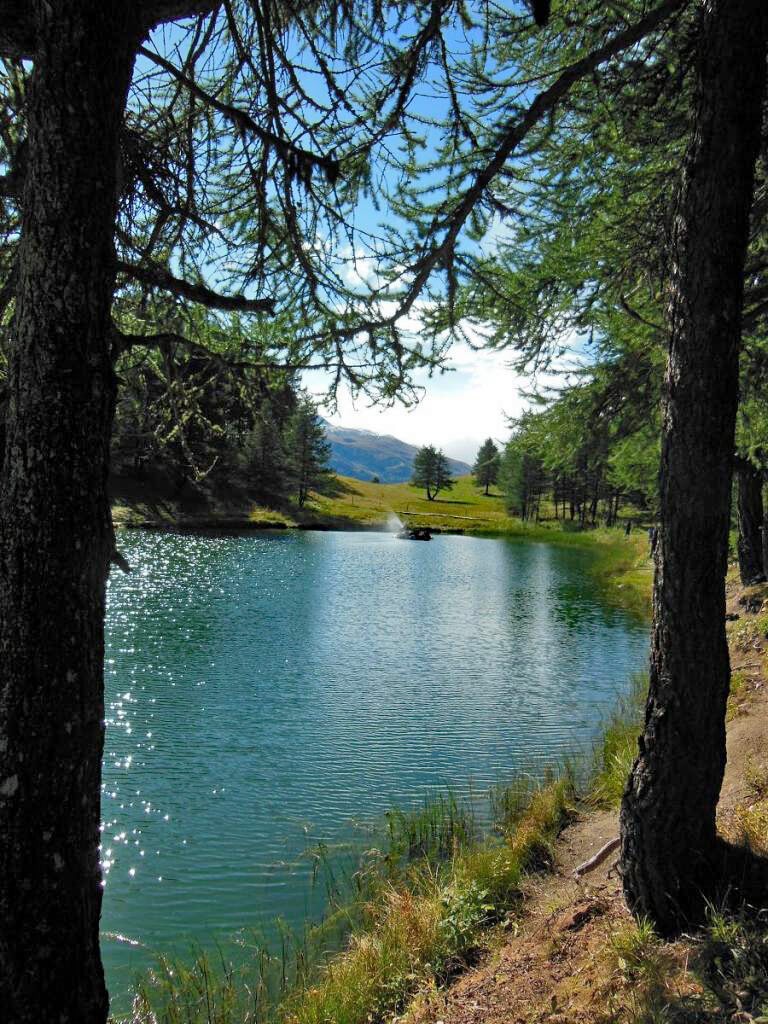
(431, 471)
(486, 467)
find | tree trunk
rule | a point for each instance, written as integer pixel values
(668, 811)
(55, 531)
(749, 509)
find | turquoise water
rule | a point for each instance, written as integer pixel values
(271, 690)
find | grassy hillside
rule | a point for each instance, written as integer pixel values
(463, 508)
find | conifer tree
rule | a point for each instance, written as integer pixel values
(487, 463)
(431, 471)
(307, 450)
(265, 462)
(190, 165)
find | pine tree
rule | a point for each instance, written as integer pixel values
(431, 471)
(307, 450)
(487, 463)
(264, 459)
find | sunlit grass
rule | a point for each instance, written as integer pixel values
(737, 692)
(637, 953)
(616, 749)
(419, 912)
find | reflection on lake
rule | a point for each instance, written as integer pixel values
(266, 691)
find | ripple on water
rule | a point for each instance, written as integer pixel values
(265, 691)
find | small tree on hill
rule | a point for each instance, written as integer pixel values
(431, 471)
(307, 449)
(487, 463)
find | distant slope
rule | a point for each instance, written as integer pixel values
(363, 455)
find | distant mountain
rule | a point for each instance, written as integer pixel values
(364, 455)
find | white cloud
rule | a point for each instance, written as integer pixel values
(459, 410)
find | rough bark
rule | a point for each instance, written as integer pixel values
(749, 511)
(17, 35)
(668, 812)
(55, 532)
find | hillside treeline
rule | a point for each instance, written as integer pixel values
(187, 418)
(588, 452)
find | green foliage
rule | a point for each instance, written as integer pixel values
(307, 450)
(617, 748)
(593, 446)
(487, 465)
(522, 476)
(638, 953)
(263, 457)
(431, 471)
(184, 414)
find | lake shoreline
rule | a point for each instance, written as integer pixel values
(621, 564)
(541, 935)
(274, 550)
(347, 504)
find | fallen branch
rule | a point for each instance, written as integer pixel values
(601, 855)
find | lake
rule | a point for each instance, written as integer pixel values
(268, 691)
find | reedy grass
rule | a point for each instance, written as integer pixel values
(616, 750)
(416, 912)
(429, 924)
(434, 831)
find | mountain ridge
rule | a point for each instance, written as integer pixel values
(364, 454)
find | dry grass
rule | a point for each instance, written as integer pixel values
(419, 921)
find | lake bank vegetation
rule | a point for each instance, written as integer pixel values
(416, 912)
(444, 918)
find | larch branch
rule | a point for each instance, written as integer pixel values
(159, 277)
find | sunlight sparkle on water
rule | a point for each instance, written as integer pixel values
(326, 701)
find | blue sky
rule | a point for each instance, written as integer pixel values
(458, 410)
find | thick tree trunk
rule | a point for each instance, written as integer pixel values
(749, 508)
(55, 531)
(668, 811)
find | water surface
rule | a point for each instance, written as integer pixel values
(267, 691)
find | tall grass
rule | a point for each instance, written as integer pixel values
(434, 831)
(429, 924)
(617, 748)
(416, 912)
(411, 911)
